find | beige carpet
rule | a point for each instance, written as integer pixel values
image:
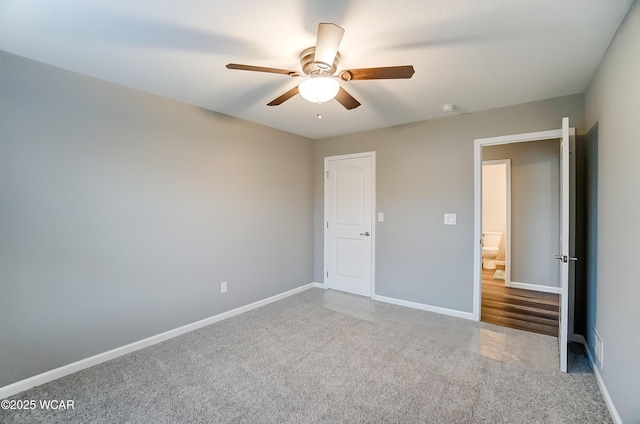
(328, 357)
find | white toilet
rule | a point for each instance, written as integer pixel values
(490, 248)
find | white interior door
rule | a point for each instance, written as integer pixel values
(563, 256)
(349, 203)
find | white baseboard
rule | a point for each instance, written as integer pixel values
(534, 287)
(603, 389)
(319, 285)
(56, 373)
(579, 338)
(423, 307)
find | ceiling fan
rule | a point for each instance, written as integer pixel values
(319, 65)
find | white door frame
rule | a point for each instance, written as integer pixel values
(560, 133)
(477, 154)
(327, 159)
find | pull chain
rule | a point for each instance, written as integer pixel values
(318, 111)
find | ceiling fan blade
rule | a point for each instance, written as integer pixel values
(262, 69)
(346, 99)
(390, 72)
(286, 96)
(327, 43)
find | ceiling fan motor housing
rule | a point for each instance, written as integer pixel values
(310, 66)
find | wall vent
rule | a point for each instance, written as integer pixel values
(599, 349)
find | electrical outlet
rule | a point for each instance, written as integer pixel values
(223, 287)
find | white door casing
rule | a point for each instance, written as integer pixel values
(349, 224)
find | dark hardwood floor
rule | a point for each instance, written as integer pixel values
(517, 308)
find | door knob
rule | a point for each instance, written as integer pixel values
(565, 258)
(365, 234)
(562, 258)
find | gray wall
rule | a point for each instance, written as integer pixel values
(424, 170)
(121, 212)
(613, 102)
(535, 209)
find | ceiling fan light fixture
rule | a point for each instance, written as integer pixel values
(319, 89)
(320, 64)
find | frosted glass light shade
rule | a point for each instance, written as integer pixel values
(319, 89)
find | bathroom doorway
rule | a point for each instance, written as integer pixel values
(496, 218)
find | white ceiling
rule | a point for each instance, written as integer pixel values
(477, 54)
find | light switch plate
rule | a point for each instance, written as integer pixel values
(449, 219)
(380, 217)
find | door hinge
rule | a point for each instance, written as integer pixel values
(327, 174)
(327, 274)
(327, 224)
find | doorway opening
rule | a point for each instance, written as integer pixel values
(530, 300)
(496, 218)
(558, 243)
